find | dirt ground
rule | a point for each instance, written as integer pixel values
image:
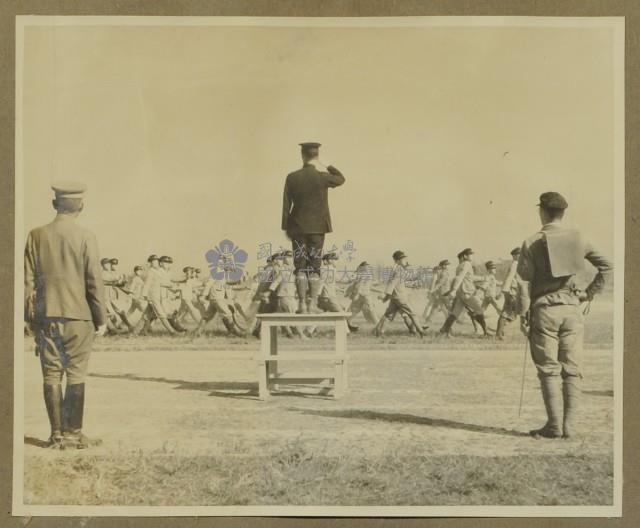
(199, 397)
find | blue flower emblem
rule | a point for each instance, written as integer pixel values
(226, 261)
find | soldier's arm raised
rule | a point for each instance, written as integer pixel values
(93, 282)
(334, 177)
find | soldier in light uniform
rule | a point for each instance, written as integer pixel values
(153, 294)
(215, 293)
(108, 279)
(488, 288)
(440, 286)
(169, 293)
(284, 289)
(463, 291)
(187, 291)
(549, 261)
(135, 286)
(359, 292)
(306, 220)
(119, 298)
(263, 300)
(65, 308)
(396, 293)
(511, 288)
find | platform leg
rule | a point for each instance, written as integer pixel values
(341, 350)
(273, 351)
(263, 380)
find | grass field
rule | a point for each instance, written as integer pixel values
(425, 423)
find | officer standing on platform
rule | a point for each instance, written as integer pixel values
(549, 261)
(306, 220)
(65, 307)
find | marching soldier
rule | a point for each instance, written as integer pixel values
(152, 293)
(395, 292)
(463, 291)
(510, 291)
(214, 292)
(187, 306)
(488, 288)
(108, 280)
(65, 308)
(168, 293)
(118, 299)
(263, 300)
(359, 291)
(283, 286)
(438, 299)
(549, 261)
(306, 220)
(135, 289)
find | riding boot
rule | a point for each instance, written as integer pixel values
(126, 321)
(378, 331)
(500, 328)
(482, 323)
(571, 392)
(230, 326)
(53, 402)
(302, 287)
(73, 406)
(175, 324)
(446, 327)
(165, 322)
(315, 285)
(552, 396)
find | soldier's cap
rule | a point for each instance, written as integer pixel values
(186, 269)
(69, 189)
(137, 268)
(515, 251)
(286, 253)
(465, 252)
(152, 257)
(364, 264)
(330, 256)
(397, 255)
(105, 260)
(443, 263)
(552, 200)
(310, 145)
(198, 270)
(167, 259)
(490, 265)
(113, 261)
(277, 255)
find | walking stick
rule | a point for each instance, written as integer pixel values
(524, 366)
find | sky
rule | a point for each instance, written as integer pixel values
(446, 135)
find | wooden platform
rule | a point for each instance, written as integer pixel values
(269, 357)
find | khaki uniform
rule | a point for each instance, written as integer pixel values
(214, 292)
(464, 284)
(136, 286)
(359, 292)
(556, 320)
(437, 298)
(487, 292)
(328, 299)
(399, 301)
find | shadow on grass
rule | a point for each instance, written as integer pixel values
(220, 389)
(606, 393)
(30, 440)
(357, 414)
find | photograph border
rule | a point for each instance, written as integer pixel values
(384, 511)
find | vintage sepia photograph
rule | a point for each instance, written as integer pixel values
(319, 266)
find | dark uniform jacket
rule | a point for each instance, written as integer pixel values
(62, 273)
(305, 205)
